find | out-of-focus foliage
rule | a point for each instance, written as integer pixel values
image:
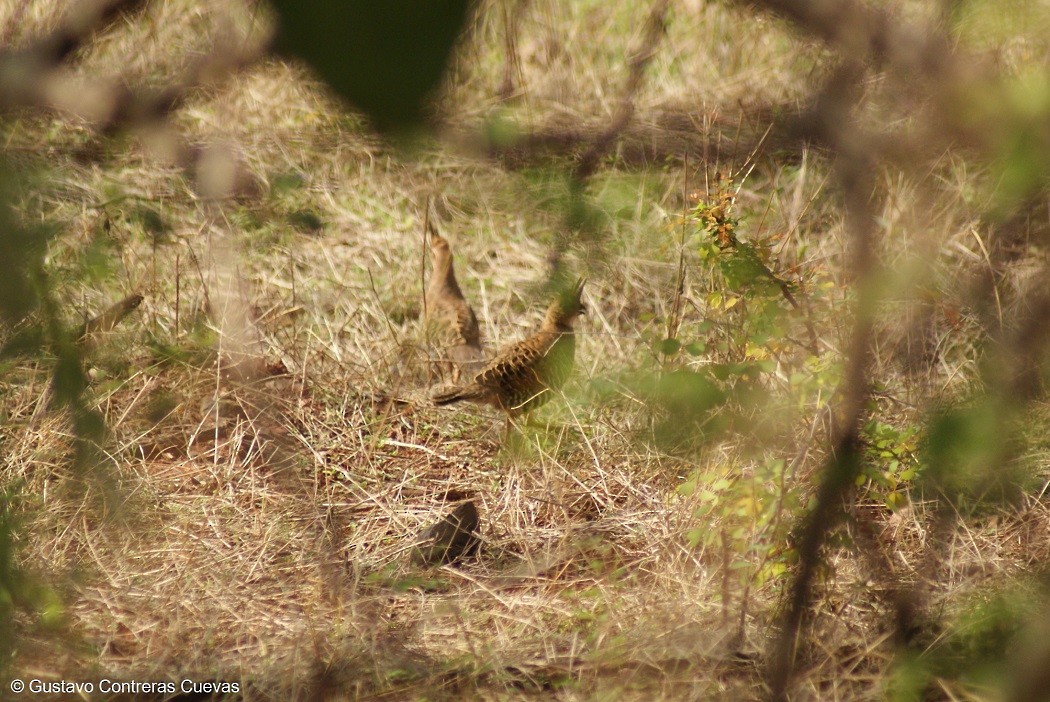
(19, 591)
(973, 648)
(22, 252)
(386, 58)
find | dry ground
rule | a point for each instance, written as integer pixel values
(262, 484)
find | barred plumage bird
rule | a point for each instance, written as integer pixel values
(525, 375)
(456, 326)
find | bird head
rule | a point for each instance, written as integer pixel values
(438, 242)
(440, 251)
(569, 305)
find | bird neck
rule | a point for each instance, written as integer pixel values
(557, 325)
(443, 271)
(451, 284)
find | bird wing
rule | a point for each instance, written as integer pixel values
(515, 368)
(466, 324)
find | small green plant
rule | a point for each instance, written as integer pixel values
(723, 370)
(751, 510)
(746, 370)
(891, 461)
(20, 592)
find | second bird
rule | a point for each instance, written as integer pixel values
(457, 329)
(525, 375)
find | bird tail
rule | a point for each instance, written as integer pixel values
(448, 395)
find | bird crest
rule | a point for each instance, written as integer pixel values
(567, 306)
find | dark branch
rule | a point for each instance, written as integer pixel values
(655, 28)
(81, 23)
(856, 175)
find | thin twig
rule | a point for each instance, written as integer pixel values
(655, 27)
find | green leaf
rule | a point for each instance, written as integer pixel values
(669, 347)
(385, 58)
(306, 221)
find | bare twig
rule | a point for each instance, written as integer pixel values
(423, 253)
(654, 30)
(512, 17)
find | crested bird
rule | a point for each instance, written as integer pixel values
(457, 327)
(526, 374)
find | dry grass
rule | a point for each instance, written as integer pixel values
(254, 525)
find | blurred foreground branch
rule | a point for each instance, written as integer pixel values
(28, 75)
(875, 38)
(873, 34)
(856, 172)
(81, 23)
(37, 76)
(655, 28)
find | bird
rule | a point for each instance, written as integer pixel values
(525, 375)
(458, 334)
(450, 539)
(28, 335)
(108, 319)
